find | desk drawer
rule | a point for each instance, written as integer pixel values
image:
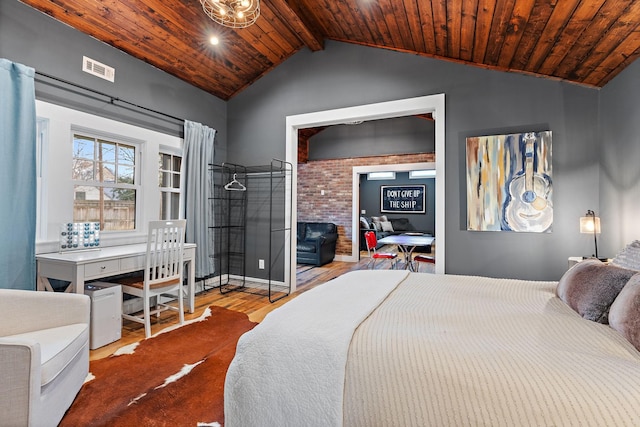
(132, 264)
(101, 268)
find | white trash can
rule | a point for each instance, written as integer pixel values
(106, 313)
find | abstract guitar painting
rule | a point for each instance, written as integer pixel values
(509, 186)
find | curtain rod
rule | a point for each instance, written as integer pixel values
(111, 98)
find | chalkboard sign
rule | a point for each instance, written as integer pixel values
(402, 198)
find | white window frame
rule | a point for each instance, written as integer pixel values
(138, 184)
(42, 154)
(165, 192)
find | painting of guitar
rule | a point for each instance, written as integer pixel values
(529, 207)
(509, 185)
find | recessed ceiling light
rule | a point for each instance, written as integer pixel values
(428, 173)
(214, 40)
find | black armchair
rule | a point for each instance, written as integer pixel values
(316, 242)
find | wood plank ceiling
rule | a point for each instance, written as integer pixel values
(583, 41)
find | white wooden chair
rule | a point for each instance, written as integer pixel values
(162, 274)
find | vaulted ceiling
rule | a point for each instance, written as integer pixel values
(583, 41)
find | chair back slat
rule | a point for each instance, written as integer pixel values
(165, 249)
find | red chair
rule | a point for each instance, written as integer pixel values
(423, 258)
(372, 242)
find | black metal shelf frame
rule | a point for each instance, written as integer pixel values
(228, 234)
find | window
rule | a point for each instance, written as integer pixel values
(169, 177)
(105, 182)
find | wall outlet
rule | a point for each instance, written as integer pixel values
(261, 264)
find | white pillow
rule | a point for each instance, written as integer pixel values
(386, 226)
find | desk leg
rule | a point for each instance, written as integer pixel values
(43, 284)
(77, 285)
(191, 287)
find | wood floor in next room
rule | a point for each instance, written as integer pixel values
(255, 305)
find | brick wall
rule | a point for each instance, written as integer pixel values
(335, 178)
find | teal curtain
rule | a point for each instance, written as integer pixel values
(196, 190)
(17, 176)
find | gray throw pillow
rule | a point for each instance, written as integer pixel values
(386, 226)
(377, 222)
(590, 287)
(364, 223)
(624, 315)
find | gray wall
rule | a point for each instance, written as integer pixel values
(478, 102)
(620, 161)
(402, 135)
(370, 200)
(587, 124)
(39, 41)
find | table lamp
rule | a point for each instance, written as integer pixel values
(590, 223)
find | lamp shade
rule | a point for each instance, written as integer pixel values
(589, 224)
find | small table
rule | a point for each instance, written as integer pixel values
(407, 243)
(79, 266)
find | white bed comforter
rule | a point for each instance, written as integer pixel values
(289, 370)
(435, 350)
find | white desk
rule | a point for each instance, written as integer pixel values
(79, 266)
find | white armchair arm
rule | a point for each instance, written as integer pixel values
(20, 372)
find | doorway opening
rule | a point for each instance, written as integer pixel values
(363, 170)
(433, 104)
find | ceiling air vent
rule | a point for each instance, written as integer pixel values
(98, 69)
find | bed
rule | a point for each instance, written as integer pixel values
(392, 348)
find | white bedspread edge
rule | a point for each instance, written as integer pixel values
(289, 370)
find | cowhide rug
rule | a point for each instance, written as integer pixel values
(175, 378)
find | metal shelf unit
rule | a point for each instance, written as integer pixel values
(238, 206)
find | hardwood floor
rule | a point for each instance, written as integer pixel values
(256, 306)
